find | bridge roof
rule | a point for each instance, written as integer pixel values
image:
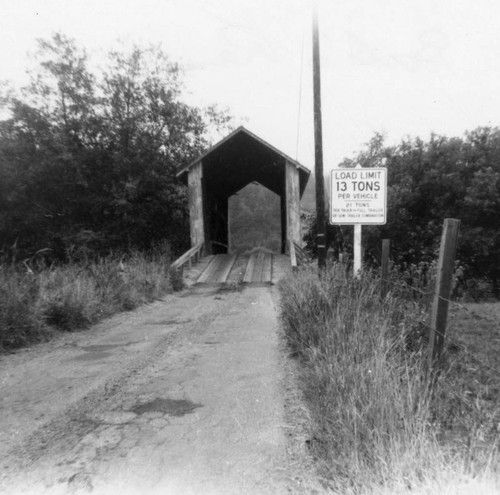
(241, 158)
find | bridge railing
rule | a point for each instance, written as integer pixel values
(188, 257)
(297, 254)
(177, 267)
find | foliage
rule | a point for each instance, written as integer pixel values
(375, 428)
(88, 159)
(20, 319)
(431, 181)
(36, 303)
(254, 219)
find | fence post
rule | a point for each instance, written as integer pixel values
(386, 244)
(439, 314)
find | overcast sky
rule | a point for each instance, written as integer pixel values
(401, 67)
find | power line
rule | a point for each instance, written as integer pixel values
(300, 94)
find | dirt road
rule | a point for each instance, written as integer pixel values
(184, 396)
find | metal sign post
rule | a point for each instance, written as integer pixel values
(358, 196)
(357, 250)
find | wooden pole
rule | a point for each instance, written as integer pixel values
(318, 145)
(386, 246)
(439, 314)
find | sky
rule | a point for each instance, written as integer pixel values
(399, 67)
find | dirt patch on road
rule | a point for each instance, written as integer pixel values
(172, 407)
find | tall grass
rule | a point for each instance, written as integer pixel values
(34, 304)
(375, 428)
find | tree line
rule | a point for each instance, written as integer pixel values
(88, 156)
(443, 177)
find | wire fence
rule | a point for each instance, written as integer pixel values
(470, 393)
(466, 398)
(447, 337)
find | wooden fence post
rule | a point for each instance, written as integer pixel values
(386, 244)
(439, 314)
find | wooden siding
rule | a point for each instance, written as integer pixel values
(195, 198)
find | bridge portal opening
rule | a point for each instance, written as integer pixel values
(254, 220)
(240, 159)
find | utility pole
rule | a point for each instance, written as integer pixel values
(318, 146)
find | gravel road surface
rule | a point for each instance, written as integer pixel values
(183, 396)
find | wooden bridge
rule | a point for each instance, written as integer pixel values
(236, 161)
(256, 268)
(260, 266)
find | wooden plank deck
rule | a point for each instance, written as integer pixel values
(218, 269)
(259, 268)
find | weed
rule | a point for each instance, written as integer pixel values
(376, 426)
(176, 279)
(73, 296)
(20, 318)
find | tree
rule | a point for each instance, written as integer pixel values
(91, 158)
(430, 181)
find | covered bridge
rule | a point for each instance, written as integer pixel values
(234, 162)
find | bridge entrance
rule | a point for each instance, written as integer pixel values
(254, 220)
(240, 159)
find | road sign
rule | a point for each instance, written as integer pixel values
(358, 196)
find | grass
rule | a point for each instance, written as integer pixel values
(473, 371)
(376, 427)
(34, 305)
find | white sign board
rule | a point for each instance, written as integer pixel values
(358, 196)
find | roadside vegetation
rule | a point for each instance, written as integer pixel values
(35, 303)
(89, 153)
(428, 181)
(88, 162)
(377, 427)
